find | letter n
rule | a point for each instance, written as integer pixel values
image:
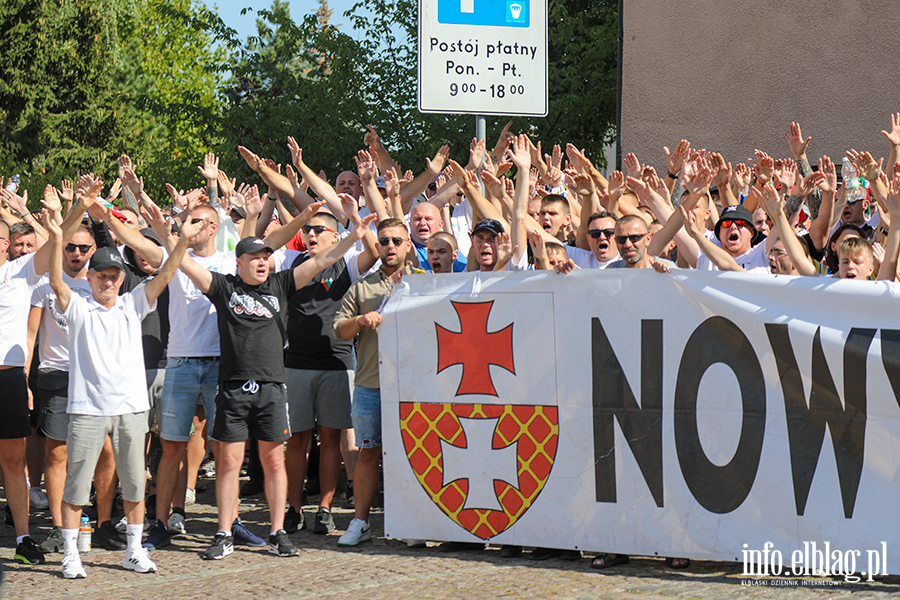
(806, 423)
(612, 398)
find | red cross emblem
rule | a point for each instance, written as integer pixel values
(475, 348)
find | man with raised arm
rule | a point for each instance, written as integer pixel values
(107, 388)
(251, 399)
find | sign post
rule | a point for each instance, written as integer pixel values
(483, 57)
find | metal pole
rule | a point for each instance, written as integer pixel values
(479, 127)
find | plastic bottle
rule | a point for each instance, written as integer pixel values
(84, 535)
(855, 191)
(14, 182)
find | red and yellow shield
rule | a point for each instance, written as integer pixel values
(533, 429)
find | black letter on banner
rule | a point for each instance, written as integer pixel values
(890, 358)
(719, 489)
(806, 425)
(612, 397)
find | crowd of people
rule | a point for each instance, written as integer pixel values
(226, 316)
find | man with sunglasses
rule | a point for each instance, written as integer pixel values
(359, 315)
(318, 367)
(603, 250)
(734, 233)
(632, 236)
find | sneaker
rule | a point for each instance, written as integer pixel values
(108, 538)
(38, 498)
(54, 541)
(221, 547)
(72, 567)
(324, 521)
(139, 562)
(293, 520)
(280, 544)
(544, 553)
(158, 537)
(208, 466)
(190, 497)
(358, 531)
(28, 552)
(176, 524)
(252, 487)
(244, 536)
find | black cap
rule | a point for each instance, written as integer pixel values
(250, 245)
(105, 258)
(737, 213)
(489, 224)
(239, 211)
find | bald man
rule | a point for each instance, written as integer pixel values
(425, 221)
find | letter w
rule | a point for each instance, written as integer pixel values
(806, 424)
(612, 398)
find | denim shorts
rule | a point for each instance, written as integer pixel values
(188, 382)
(366, 413)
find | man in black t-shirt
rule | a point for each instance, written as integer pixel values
(318, 367)
(252, 399)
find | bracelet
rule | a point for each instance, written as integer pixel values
(882, 230)
(669, 174)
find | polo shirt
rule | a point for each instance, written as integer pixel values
(17, 280)
(54, 346)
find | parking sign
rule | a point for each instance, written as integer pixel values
(483, 57)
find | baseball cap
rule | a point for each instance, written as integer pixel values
(735, 213)
(490, 224)
(379, 183)
(250, 245)
(105, 258)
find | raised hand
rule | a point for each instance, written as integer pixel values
(893, 135)
(392, 183)
(892, 200)
(493, 184)
(787, 175)
(131, 181)
(210, 167)
(253, 161)
(16, 202)
(675, 160)
(465, 179)
(124, 163)
(520, 154)
(179, 200)
(365, 165)
(296, 151)
(554, 159)
(765, 169)
(865, 164)
(66, 191)
(807, 184)
(51, 200)
(436, 164)
(253, 203)
(226, 186)
(616, 185)
(350, 207)
(741, 177)
(632, 165)
(691, 226)
(476, 152)
(372, 140)
(796, 142)
(699, 182)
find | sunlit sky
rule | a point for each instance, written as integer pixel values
(245, 25)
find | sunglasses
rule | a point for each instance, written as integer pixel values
(852, 202)
(596, 233)
(195, 221)
(84, 248)
(317, 228)
(729, 222)
(634, 239)
(384, 241)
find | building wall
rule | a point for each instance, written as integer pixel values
(732, 76)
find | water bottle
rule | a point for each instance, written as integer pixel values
(84, 535)
(14, 182)
(855, 191)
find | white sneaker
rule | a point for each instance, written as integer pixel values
(176, 524)
(190, 497)
(358, 531)
(139, 562)
(72, 567)
(38, 498)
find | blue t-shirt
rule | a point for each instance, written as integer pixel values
(459, 265)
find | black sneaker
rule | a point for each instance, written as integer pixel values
(108, 538)
(293, 520)
(221, 547)
(252, 487)
(280, 544)
(544, 553)
(28, 552)
(158, 537)
(324, 521)
(510, 551)
(54, 541)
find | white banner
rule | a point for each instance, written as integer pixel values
(695, 414)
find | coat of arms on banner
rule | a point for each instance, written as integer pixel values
(483, 465)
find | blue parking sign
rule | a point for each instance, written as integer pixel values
(494, 13)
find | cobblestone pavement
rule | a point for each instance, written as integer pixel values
(384, 569)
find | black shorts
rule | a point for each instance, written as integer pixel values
(35, 413)
(53, 391)
(256, 409)
(15, 423)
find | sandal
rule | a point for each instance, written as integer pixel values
(605, 561)
(683, 565)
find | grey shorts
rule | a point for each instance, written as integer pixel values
(84, 443)
(53, 388)
(319, 397)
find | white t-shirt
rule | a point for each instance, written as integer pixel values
(54, 346)
(754, 260)
(586, 259)
(285, 258)
(461, 225)
(17, 280)
(193, 325)
(106, 374)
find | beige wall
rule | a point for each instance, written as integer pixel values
(731, 76)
